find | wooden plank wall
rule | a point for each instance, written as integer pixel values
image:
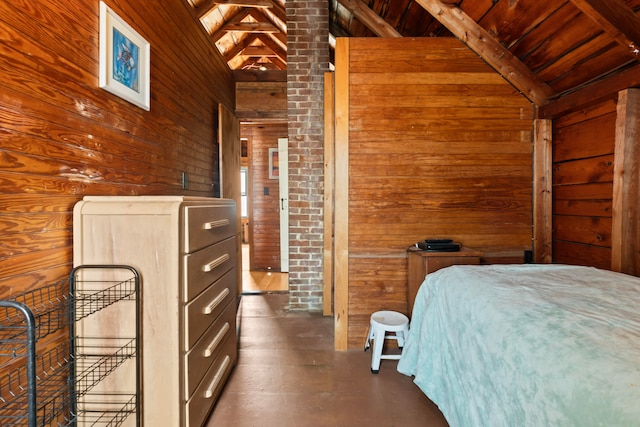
(583, 164)
(264, 209)
(439, 146)
(625, 233)
(261, 100)
(62, 137)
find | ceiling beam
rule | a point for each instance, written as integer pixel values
(258, 51)
(281, 35)
(496, 55)
(246, 42)
(205, 8)
(207, 5)
(616, 19)
(242, 44)
(278, 62)
(250, 27)
(260, 16)
(369, 18)
(237, 17)
(252, 63)
(278, 12)
(274, 45)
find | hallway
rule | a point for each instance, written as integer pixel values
(288, 375)
(261, 281)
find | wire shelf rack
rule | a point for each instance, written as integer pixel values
(48, 369)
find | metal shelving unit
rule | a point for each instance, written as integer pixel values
(51, 371)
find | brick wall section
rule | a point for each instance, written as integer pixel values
(307, 61)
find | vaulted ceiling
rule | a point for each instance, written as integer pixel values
(250, 34)
(546, 48)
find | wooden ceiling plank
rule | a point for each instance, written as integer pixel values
(497, 56)
(511, 21)
(370, 19)
(337, 30)
(395, 11)
(592, 94)
(250, 27)
(616, 19)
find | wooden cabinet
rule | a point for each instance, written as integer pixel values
(186, 253)
(421, 263)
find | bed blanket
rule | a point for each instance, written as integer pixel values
(528, 345)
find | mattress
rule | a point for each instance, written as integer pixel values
(528, 345)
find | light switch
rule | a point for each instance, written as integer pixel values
(185, 180)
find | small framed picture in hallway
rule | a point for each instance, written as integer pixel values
(274, 164)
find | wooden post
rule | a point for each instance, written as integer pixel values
(329, 181)
(341, 304)
(542, 191)
(626, 198)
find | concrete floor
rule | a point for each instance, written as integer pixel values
(289, 375)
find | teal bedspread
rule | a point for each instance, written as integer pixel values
(528, 345)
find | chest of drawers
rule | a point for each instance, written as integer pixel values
(421, 263)
(186, 253)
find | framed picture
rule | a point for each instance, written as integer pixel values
(274, 164)
(124, 59)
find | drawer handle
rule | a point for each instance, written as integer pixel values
(217, 378)
(215, 224)
(215, 263)
(215, 302)
(216, 340)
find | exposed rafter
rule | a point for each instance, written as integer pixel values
(273, 44)
(208, 5)
(483, 44)
(370, 19)
(545, 48)
(253, 37)
(240, 46)
(278, 12)
(279, 63)
(237, 17)
(258, 51)
(616, 19)
(260, 16)
(251, 27)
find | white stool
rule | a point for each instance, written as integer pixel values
(381, 323)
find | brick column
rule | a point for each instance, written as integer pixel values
(307, 61)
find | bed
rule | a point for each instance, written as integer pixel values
(528, 345)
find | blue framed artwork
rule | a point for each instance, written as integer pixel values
(124, 59)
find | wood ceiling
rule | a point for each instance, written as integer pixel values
(545, 48)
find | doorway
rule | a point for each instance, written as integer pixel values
(261, 257)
